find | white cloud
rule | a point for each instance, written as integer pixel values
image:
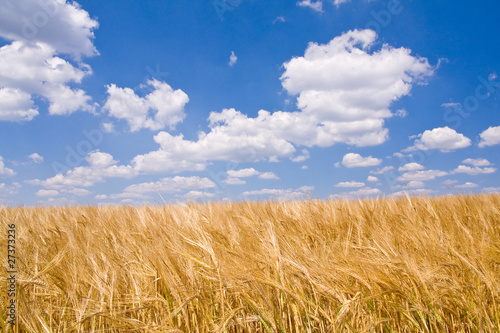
(4, 171)
(234, 175)
(444, 139)
(467, 185)
(352, 160)
(412, 184)
(65, 26)
(366, 192)
(34, 69)
(192, 195)
(372, 179)
(81, 192)
(341, 83)
(232, 59)
(9, 190)
(282, 194)
(411, 167)
(314, 5)
(350, 184)
(491, 190)
(449, 183)
(162, 107)
(101, 166)
(417, 192)
(268, 175)
(249, 172)
(47, 193)
(490, 137)
(339, 2)
(382, 170)
(301, 158)
(478, 162)
(362, 192)
(401, 113)
(279, 19)
(422, 175)
(170, 185)
(16, 105)
(473, 171)
(234, 181)
(35, 158)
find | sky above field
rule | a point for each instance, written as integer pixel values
(134, 102)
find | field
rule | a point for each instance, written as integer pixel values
(386, 265)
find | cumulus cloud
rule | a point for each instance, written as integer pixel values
(162, 107)
(467, 185)
(443, 139)
(417, 192)
(249, 172)
(30, 65)
(479, 162)
(411, 167)
(372, 179)
(314, 5)
(232, 59)
(490, 137)
(4, 171)
(193, 195)
(412, 184)
(234, 181)
(47, 193)
(352, 160)
(343, 83)
(35, 158)
(473, 171)
(34, 69)
(339, 2)
(382, 170)
(282, 194)
(350, 184)
(422, 175)
(9, 190)
(301, 158)
(170, 185)
(101, 166)
(65, 26)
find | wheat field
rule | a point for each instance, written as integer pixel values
(385, 265)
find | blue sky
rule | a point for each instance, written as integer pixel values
(137, 102)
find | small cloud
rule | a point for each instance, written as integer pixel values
(350, 184)
(478, 162)
(490, 137)
(279, 19)
(317, 5)
(382, 170)
(248, 172)
(339, 2)
(234, 181)
(47, 193)
(401, 113)
(450, 105)
(473, 171)
(444, 139)
(108, 127)
(304, 167)
(411, 167)
(301, 158)
(4, 171)
(35, 158)
(493, 76)
(232, 59)
(268, 175)
(467, 185)
(352, 160)
(372, 179)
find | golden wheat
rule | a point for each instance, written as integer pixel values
(386, 265)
